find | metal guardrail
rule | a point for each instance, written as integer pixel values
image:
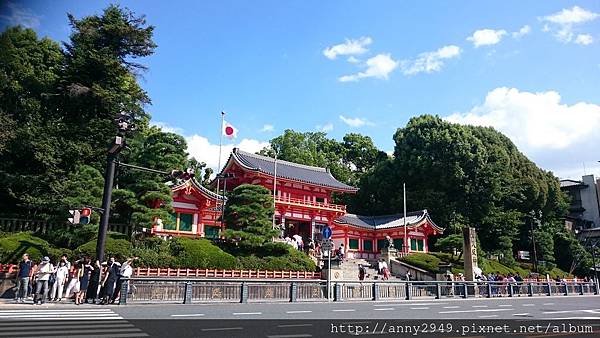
(140, 290)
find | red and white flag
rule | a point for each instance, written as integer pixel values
(229, 130)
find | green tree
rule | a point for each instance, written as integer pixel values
(248, 216)
(451, 244)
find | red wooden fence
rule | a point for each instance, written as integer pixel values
(204, 273)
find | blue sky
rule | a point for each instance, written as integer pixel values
(529, 68)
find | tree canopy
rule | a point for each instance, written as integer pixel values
(58, 107)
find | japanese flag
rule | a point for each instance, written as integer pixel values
(229, 130)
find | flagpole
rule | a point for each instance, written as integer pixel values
(274, 187)
(405, 237)
(219, 168)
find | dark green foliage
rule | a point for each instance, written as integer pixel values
(249, 215)
(13, 246)
(451, 244)
(120, 248)
(424, 261)
(200, 253)
(347, 160)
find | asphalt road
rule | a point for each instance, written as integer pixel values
(450, 318)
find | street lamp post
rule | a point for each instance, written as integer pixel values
(535, 260)
(594, 264)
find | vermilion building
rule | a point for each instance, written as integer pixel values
(303, 204)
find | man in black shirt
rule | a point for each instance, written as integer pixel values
(23, 278)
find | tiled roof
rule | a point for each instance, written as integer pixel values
(570, 183)
(197, 186)
(387, 221)
(289, 170)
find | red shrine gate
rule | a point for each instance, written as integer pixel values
(302, 205)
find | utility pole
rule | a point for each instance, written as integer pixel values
(109, 175)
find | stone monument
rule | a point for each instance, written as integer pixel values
(389, 251)
(470, 252)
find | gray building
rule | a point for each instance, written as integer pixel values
(584, 211)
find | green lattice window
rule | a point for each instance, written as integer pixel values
(421, 245)
(173, 225)
(353, 243)
(211, 232)
(367, 245)
(413, 244)
(185, 222)
(381, 243)
(398, 243)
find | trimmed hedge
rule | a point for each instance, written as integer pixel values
(119, 248)
(292, 260)
(200, 253)
(13, 246)
(422, 260)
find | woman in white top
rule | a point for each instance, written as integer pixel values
(62, 273)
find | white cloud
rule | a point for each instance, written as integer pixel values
(534, 120)
(584, 39)
(379, 67)
(522, 32)
(430, 61)
(202, 150)
(565, 21)
(571, 16)
(166, 128)
(486, 37)
(352, 59)
(325, 128)
(15, 14)
(356, 122)
(350, 47)
(267, 128)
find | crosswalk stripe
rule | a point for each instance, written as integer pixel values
(57, 323)
(60, 315)
(71, 331)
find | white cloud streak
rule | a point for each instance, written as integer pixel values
(534, 120)
(350, 47)
(202, 150)
(584, 39)
(521, 32)
(430, 62)
(564, 23)
(356, 122)
(327, 127)
(486, 37)
(379, 67)
(267, 128)
(166, 127)
(15, 14)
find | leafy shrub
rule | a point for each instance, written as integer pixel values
(422, 260)
(13, 246)
(200, 253)
(119, 248)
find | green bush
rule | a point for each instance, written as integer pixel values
(294, 261)
(200, 253)
(13, 246)
(424, 261)
(119, 248)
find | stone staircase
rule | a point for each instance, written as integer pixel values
(350, 269)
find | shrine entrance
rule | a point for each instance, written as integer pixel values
(293, 227)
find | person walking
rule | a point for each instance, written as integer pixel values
(62, 275)
(361, 272)
(23, 278)
(43, 272)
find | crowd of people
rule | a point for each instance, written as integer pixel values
(83, 280)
